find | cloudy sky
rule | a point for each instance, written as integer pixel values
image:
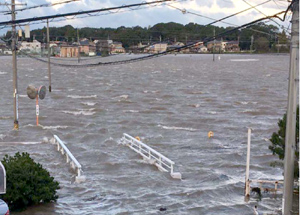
(149, 16)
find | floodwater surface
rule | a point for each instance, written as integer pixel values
(171, 103)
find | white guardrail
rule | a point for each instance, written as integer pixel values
(69, 158)
(150, 155)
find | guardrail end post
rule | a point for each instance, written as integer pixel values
(176, 175)
(79, 179)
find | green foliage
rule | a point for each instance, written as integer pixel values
(278, 141)
(261, 44)
(27, 182)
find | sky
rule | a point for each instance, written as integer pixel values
(149, 16)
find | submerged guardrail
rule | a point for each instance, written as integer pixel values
(249, 181)
(69, 158)
(150, 155)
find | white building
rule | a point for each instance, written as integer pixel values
(33, 47)
(156, 48)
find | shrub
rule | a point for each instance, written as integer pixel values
(278, 143)
(28, 183)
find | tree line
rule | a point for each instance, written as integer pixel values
(265, 37)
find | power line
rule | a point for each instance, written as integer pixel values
(262, 13)
(97, 14)
(239, 12)
(41, 5)
(221, 20)
(80, 13)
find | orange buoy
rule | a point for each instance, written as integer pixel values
(210, 134)
(138, 138)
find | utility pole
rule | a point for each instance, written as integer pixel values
(251, 46)
(78, 45)
(43, 52)
(290, 135)
(49, 52)
(160, 43)
(214, 44)
(277, 44)
(14, 62)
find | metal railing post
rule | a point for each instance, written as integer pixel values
(247, 181)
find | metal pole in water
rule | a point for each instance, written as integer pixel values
(78, 45)
(14, 61)
(290, 135)
(48, 47)
(247, 182)
(37, 108)
(251, 46)
(214, 44)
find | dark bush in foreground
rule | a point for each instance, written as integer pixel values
(278, 142)
(27, 182)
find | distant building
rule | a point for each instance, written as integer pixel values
(103, 46)
(195, 48)
(139, 48)
(177, 47)
(108, 47)
(117, 47)
(216, 45)
(92, 47)
(2, 46)
(224, 46)
(232, 46)
(54, 48)
(84, 46)
(156, 48)
(69, 51)
(32, 47)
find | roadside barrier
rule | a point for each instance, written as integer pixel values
(75, 165)
(258, 182)
(153, 157)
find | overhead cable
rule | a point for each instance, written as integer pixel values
(263, 13)
(219, 20)
(19, 21)
(239, 12)
(42, 5)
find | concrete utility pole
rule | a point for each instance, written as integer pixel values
(49, 52)
(43, 52)
(277, 44)
(290, 135)
(214, 44)
(78, 45)
(14, 62)
(160, 43)
(251, 46)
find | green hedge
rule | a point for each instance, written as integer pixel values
(28, 183)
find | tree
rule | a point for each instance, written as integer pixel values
(278, 141)
(261, 44)
(28, 183)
